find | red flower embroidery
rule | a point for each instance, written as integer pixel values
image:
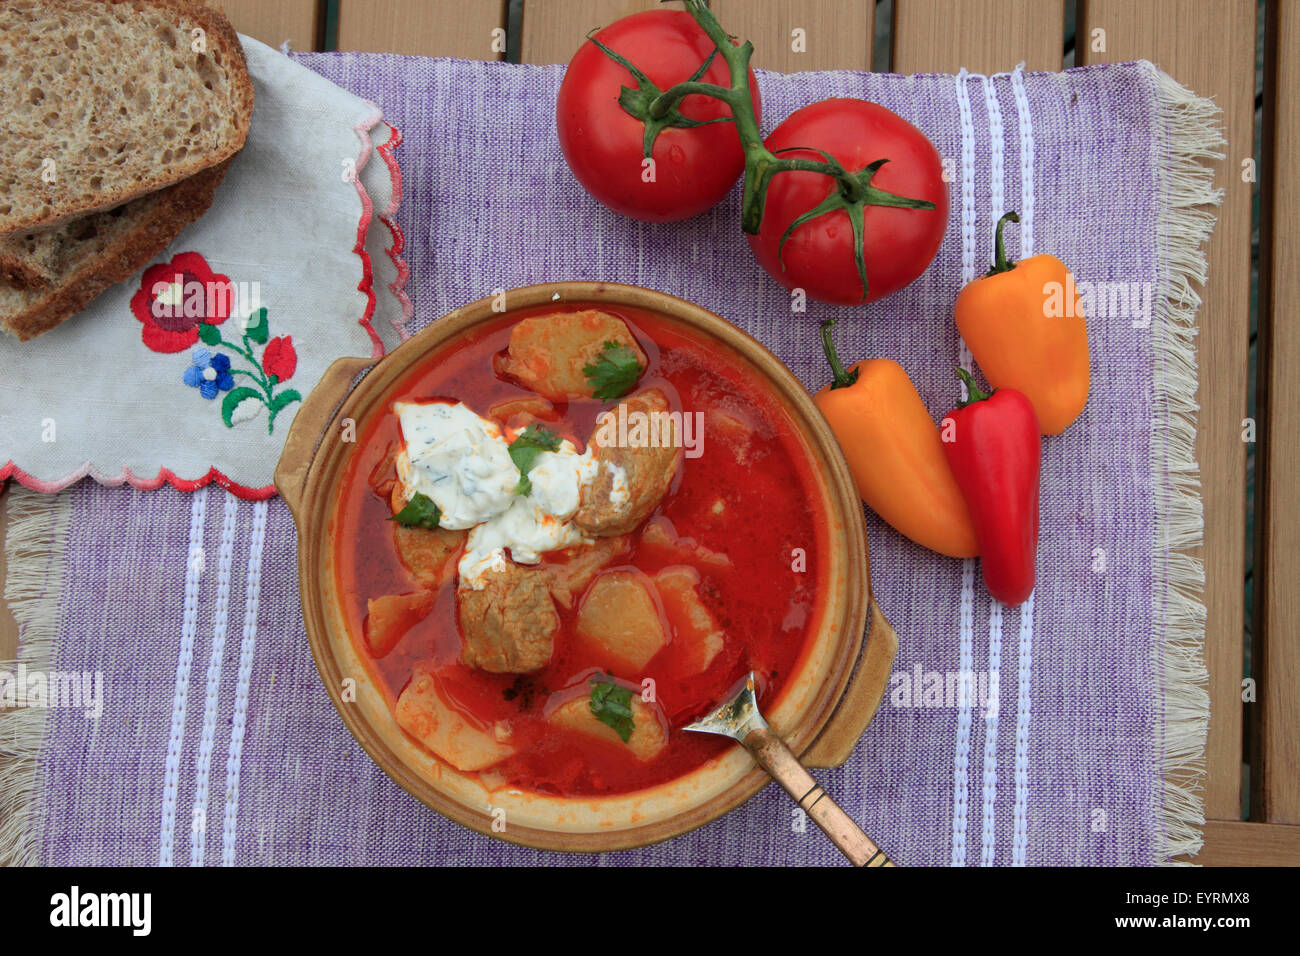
(176, 297)
(279, 358)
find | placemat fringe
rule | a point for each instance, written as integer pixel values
(34, 544)
(1190, 134)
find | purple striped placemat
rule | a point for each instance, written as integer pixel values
(216, 743)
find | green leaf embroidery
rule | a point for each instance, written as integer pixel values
(420, 512)
(612, 706)
(232, 400)
(283, 399)
(279, 403)
(614, 373)
(257, 328)
(524, 450)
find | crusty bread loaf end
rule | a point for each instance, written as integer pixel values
(104, 101)
(123, 243)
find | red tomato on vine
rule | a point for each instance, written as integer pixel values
(604, 103)
(807, 235)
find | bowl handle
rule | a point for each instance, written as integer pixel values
(314, 416)
(861, 698)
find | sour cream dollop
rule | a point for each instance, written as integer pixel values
(458, 459)
(462, 462)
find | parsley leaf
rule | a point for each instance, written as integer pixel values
(420, 512)
(612, 705)
(524, 450)
(614, 373)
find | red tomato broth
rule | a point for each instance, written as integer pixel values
(768, 512)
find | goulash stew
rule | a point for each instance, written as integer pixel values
(566, 536)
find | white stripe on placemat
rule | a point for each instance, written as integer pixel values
(185, 654)
(238, 723)
(988, 819)
(966, 623)
(1026, 230)
(1019, 837)
(991, 707)
(211, 696)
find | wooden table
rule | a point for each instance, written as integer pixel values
(1209, 46)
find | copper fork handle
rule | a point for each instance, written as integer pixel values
(778, 760)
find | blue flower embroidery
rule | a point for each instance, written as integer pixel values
(209, 373)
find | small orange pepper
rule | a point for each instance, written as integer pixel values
(895, 453)
(1024, 324)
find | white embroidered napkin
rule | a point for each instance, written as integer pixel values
(193, 370)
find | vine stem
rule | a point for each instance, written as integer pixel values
(658, 109)
(760, 163)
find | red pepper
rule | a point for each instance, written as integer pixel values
(993, 447)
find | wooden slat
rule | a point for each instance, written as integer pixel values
(1277, 454)
(423, 27)
(837, 34)
(1209, 47)
(1231, 843)
(984, 36)
(553, 31)
(274, 21)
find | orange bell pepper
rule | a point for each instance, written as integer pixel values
(1024, 324)
(895, 453)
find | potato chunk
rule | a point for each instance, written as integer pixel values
(522, 412)
(697, 638)
(648, 735)
(384, 475)
(508, 626)
(660, 540)
(637, 464)
(426, 714)
(619, 622)
(547, 353)
(388, 618)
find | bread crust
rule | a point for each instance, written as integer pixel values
(16, 271)
(219, 33)
(177, 206)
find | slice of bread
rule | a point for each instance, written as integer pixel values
(31, 260)
(104, 101)
(105, 248)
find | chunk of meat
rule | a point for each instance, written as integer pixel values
(619, 622)
(428, 554)
(547, 353)
(567, 581)
(660, 540)
(648, 734)
(637, 446)
(388, 618)
(508, 626)
(697, 639)
(424, 712)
